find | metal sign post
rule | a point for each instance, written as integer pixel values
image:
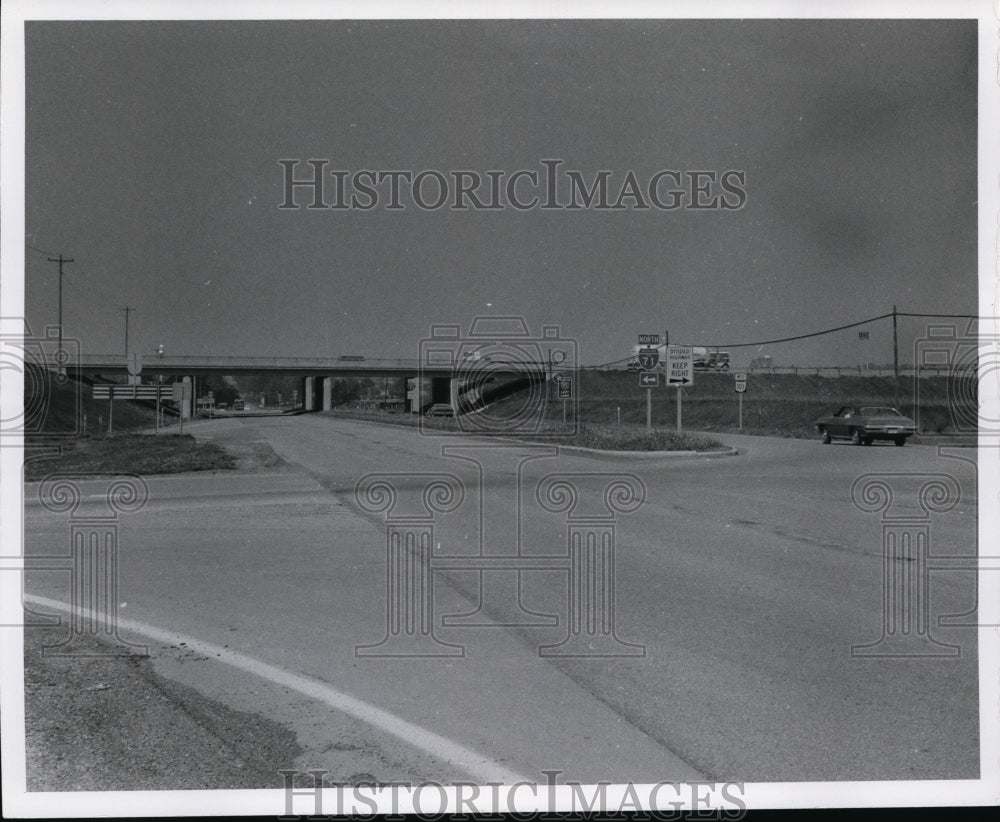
(649, 357)
(564, 391)
(648, 380)
(741, 387)
(680, 372)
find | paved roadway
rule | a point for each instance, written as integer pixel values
(746, 579)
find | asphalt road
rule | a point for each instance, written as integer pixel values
(742, 584)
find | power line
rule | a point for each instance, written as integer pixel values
(941, 316)
(813, 334)
(804, 336)
(39, 250)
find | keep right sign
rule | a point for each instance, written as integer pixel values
(680, 365)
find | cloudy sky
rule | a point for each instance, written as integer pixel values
(153, 149)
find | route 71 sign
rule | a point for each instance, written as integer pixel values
(648, 358)
(680, 365)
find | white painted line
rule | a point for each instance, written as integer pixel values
(473, 763)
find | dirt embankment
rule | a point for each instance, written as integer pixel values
(103, 723)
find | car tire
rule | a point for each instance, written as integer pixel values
(866, 441)
(900, 441)
(827, 439)
(856, 437)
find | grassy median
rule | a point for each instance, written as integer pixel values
(603, 437)
(126, 454)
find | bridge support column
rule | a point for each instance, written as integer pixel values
(188, 399)
(441, 390)
(414, 394)
(327, 383)
(308, 395)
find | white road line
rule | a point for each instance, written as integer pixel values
(473, 763)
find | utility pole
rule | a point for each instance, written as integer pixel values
(895, 357)
(126, 309)
(60, 259)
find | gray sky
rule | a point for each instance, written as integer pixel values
(153, 148)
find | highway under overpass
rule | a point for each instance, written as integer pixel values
(430, 382)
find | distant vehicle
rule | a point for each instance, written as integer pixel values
(352, 358)
(440, 409)
(712, 361)
(239, 405)
(704, 359)
(863, 425)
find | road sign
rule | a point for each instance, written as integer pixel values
(131, 392)
(649, 379)
(680, 365)
(565, 388)
(649, 339)
(134, 363)
(741, 381)
(648, 358)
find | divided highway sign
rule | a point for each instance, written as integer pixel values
(680, 365)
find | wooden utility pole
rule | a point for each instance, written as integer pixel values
(895, 357)
(127, 309)
(60, 259)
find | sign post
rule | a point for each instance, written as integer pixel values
(649, 357)
(648, 380)
(564, 391)
(741, 387)
(680, 372)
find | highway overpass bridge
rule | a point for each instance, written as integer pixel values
(439, 379)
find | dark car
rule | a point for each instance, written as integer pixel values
(440, 409)
(863, 425)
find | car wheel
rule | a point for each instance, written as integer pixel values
(900, 441)
(866, 441)
(827, 439)
(855, 437)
